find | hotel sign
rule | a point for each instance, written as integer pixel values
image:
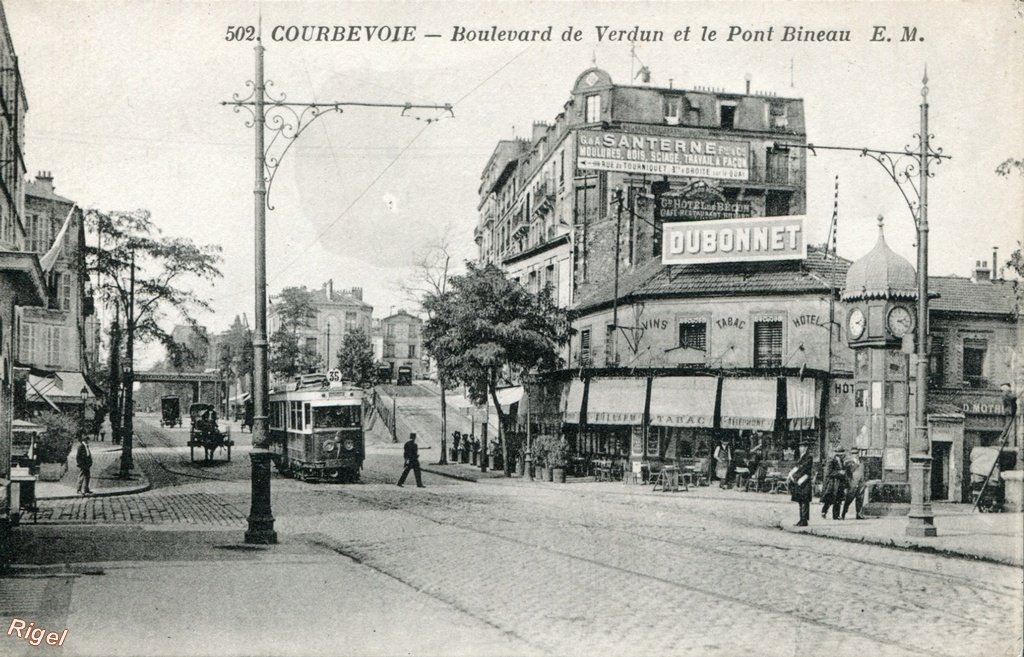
(734, 240)
(698, 202)
(693, 157)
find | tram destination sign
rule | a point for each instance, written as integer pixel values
(692, 157)
(734, 240)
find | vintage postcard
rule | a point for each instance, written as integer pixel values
(511, 328)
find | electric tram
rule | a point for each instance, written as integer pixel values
(316, 429)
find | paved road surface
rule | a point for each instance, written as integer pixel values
(503, 567)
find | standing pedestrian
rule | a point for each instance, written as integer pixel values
(801, 486)
(855, 479)
(833, 493)
(412, 462)
(723, 463)
(456, 439)
(83, 459)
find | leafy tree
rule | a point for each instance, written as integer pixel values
(1010, 165)
(355, 358)
(145, 276)
(289, 358)
(54, 444)
(485, 325)
(296, 309)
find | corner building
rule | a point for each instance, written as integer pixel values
(667, 358)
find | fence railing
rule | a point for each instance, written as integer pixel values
(387, 414)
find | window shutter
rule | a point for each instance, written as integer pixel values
(767, 344)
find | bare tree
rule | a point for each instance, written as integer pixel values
(431, 271)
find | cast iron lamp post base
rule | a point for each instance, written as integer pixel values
(261, 520)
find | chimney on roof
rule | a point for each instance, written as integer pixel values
(996, 273)
(981, 271)
(357, 293)
(329, 288)
(45, 178)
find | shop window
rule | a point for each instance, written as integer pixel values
(768, 343)
(974, 363)
(585, 356)
(593, 108)
(937, 363)
(693, 335)
(727, 115)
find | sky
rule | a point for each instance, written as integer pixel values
(125, 110)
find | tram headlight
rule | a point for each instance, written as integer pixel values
(329, 445)
(349, 444)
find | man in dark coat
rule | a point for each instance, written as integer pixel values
(83, 459)
(801, 484)
(412, 462)
(834, 490)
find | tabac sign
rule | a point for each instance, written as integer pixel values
(734, 240)
(694, 157)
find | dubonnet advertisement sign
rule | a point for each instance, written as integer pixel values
(734, 240)
(694, 157)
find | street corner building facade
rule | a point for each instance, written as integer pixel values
(671, 223)
(401, 341)
(22, 279)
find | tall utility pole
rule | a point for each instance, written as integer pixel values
(289, 121)
(328, 344)
(128, 425)
(920, 521)
(903, 167)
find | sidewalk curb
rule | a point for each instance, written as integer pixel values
(906, 546)
(454, 475)
(142, 487)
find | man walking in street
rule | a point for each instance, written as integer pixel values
(855, 491)
(83, 459)
(801, 485)
(833, 493)
(412, 462)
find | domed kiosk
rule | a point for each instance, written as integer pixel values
(880, 295)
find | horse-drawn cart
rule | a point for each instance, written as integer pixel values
(170, 411)
(204, 433)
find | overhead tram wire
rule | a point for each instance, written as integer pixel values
(386, 168)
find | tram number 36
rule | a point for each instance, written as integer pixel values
(334, 376)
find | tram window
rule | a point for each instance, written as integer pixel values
(306, 424)
(335, 417)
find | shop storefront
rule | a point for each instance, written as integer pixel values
(682, 419)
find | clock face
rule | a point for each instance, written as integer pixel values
(856, 323)
(900, 321)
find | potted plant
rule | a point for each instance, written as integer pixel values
(558, 458)
(54, 444)
(540, 456)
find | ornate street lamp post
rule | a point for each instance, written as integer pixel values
(903, 167)
(287, 121)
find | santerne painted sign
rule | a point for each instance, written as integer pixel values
(734, 240)
(694, 157)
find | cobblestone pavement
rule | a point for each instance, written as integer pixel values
(572, 570)
(599, 568)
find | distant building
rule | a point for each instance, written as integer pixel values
(338, 313)
(53, 341)
(403, 342)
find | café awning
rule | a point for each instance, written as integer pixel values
(684, 401)
(803, 401)
(616, 401)
(749, 404)
(574, 401)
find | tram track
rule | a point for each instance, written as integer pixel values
(718, 594)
